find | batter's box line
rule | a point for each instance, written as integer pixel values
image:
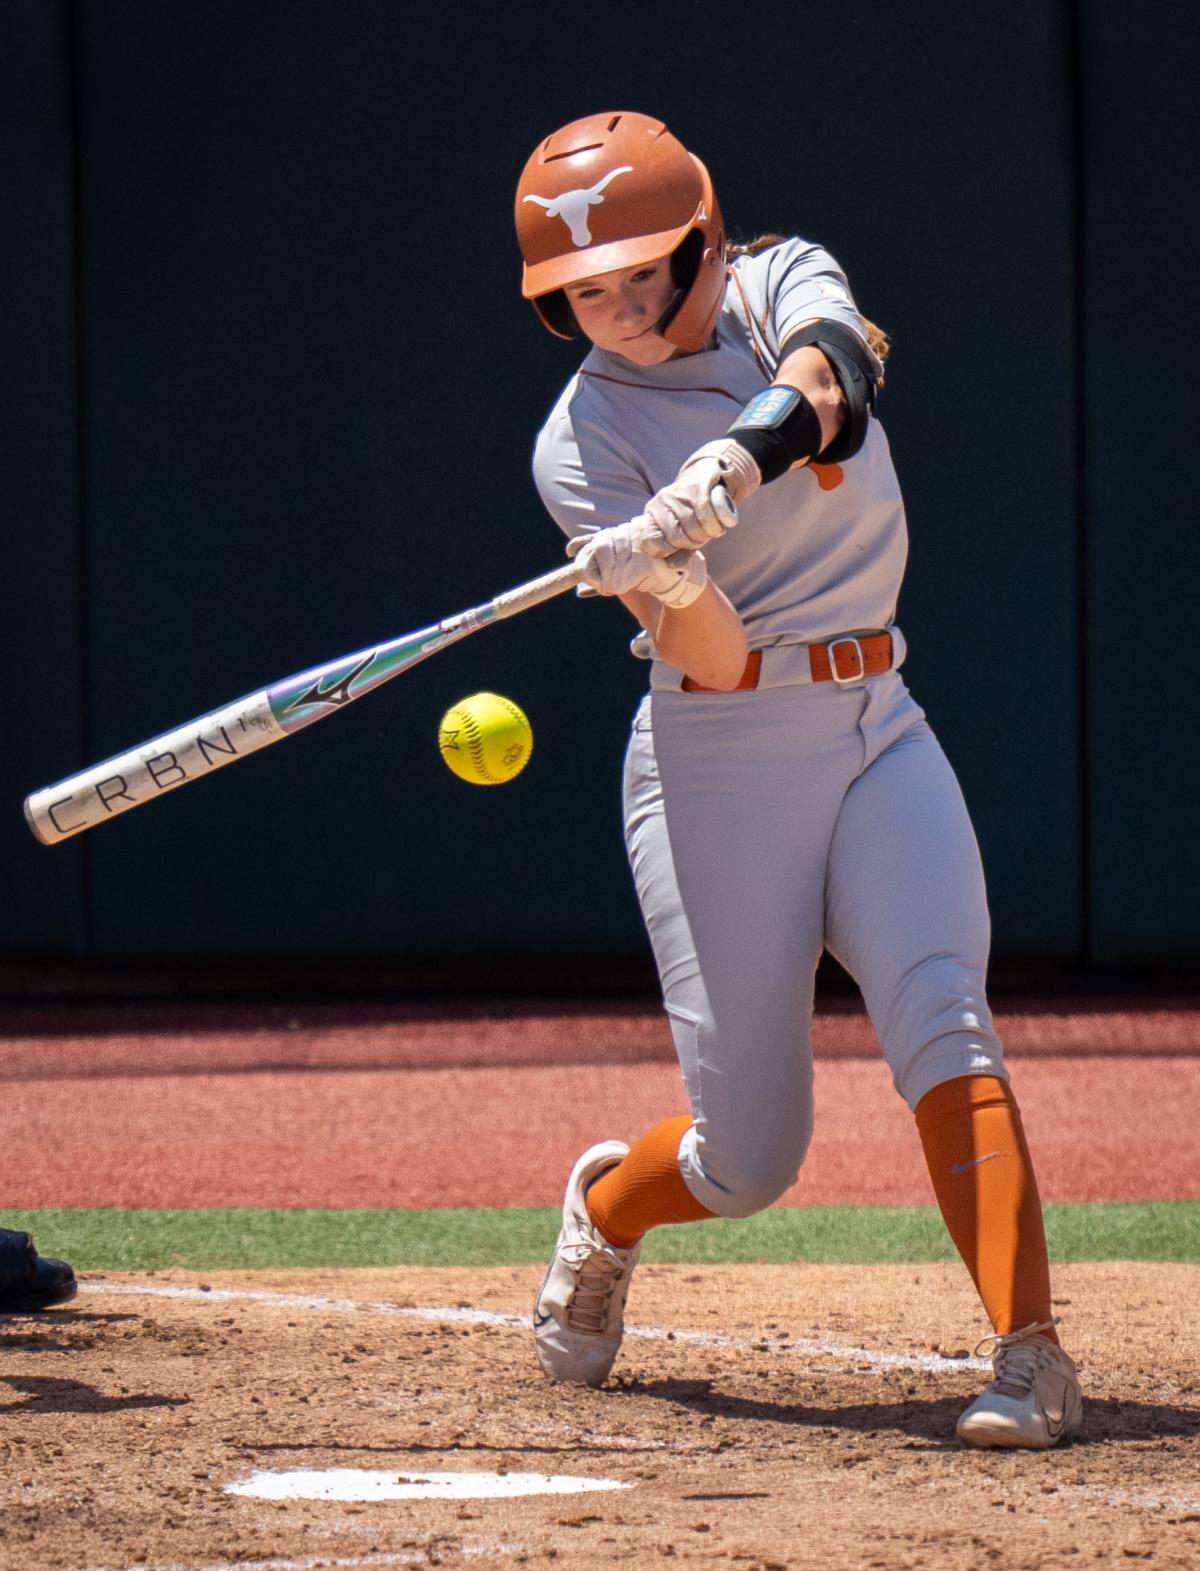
(1188, 1506)
(869, 1359)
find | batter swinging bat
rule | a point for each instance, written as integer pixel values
(178, 757)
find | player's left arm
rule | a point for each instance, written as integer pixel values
(817, 408)
(808, 371)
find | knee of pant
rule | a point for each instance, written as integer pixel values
(745, 1181)
(939, 1028)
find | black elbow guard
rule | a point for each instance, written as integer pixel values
(778, 428)
(856, 371)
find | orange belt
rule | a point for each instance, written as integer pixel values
(844, 659)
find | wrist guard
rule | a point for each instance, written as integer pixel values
(689, 575)
(778, 428)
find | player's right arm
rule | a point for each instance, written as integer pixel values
(694, 626)
(705, 641)
(585, 481)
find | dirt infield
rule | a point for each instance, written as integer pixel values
(806, 1422)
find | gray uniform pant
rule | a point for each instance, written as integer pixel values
(761, 827)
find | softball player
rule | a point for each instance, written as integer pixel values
(783, 791)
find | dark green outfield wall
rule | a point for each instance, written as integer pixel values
(1142, 244)
(268, 394)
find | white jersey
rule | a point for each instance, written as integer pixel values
(818, 552)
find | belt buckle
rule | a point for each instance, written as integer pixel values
(856, 676)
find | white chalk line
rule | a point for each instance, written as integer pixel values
(311, 1562)
(1129, 1497)
(459, 1314)
(372, 1484)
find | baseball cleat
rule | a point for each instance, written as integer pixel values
(28, 1281)
(1034, 1399)
(578, 1318)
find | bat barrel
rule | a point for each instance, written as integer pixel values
(151, 769)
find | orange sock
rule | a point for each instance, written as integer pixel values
(646, 1189)
(984, 1181)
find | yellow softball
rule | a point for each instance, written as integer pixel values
(485, 739)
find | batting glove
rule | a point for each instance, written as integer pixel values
(613, 562)
(700, 503)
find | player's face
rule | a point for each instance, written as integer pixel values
(617, 311)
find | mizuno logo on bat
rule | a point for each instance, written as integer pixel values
(572, 206)
(337, 695)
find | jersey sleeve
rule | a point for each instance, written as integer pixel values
(793, 283)
(589, 482)
(584, 476)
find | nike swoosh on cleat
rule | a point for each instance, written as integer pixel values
(1056, 1423)
(540, 1320)
(964, 1167)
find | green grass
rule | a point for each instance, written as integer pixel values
(852, 1235)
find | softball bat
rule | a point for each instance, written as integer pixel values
(223, 736)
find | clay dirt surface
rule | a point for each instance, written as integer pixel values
(124, 1417)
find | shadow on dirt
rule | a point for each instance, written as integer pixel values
(65, 1318)
(929, 1421)
(31, 1342)
(72, 1396)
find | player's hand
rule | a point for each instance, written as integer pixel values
(700, 504)
(612, 562)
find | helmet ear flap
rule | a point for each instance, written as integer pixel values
(698, 268)
(685, 260)
(555, 311)
(685, 263)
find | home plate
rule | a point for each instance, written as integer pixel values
(354, 1483)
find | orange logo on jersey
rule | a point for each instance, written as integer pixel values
(829, 476)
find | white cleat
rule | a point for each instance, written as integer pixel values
(1034, 1399)
(578, 1318)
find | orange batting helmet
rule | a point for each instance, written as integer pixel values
(613, 191)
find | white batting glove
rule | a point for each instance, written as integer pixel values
(700, 504)
(613, 562)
